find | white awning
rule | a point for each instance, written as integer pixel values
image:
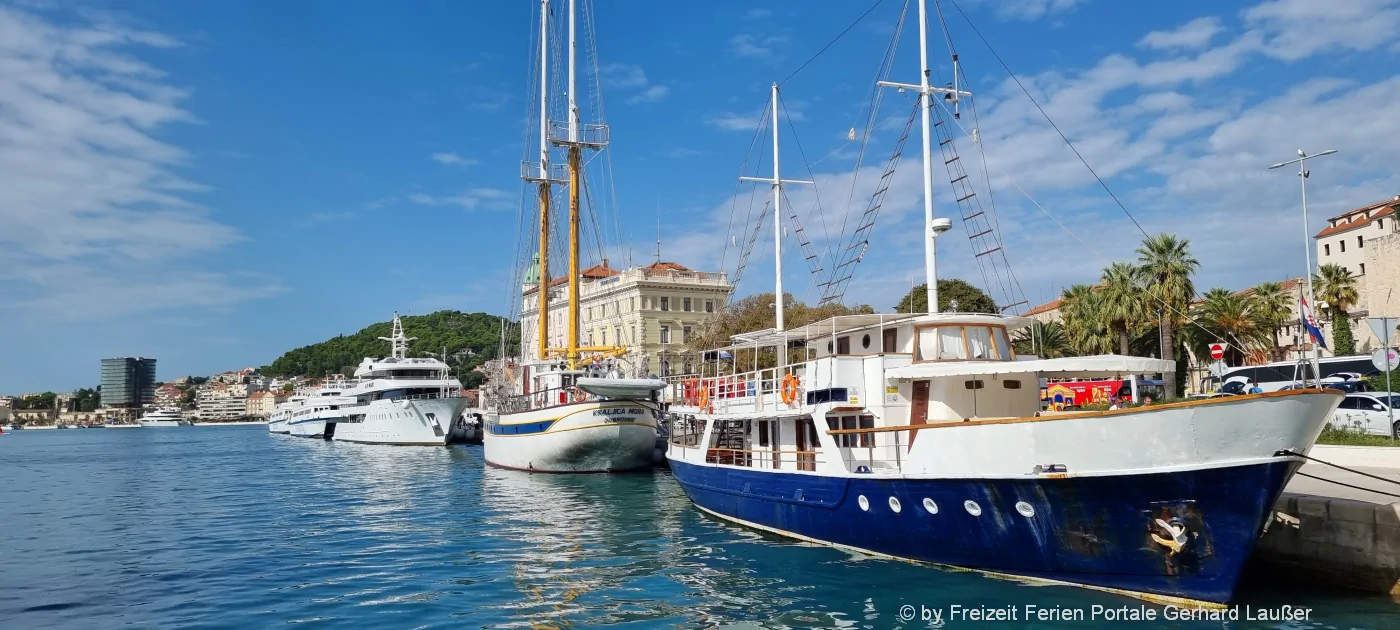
(1104, 365)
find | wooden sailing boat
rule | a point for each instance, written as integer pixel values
(566, 409)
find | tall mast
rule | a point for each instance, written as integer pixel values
(574, 151)
(951, 93)
(545, 193)
(777, 183)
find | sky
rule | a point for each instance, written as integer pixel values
(212, 184)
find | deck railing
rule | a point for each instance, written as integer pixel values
(760, 388)
(864, 450)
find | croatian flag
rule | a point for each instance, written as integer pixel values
(1310, 322)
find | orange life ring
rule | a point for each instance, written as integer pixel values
(702, 397)
(579, 395)
(789, 389)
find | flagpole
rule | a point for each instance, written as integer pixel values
(1308, 244)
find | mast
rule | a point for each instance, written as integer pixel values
(776, 181)
(777, 222)
(926, 102)
(397, 340)
(573, 352)
(544, 184)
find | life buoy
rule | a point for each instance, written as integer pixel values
(702, 397)
(789, 390)
(579, 395)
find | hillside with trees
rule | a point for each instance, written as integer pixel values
(470, 339)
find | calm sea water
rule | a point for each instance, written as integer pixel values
(229, 527)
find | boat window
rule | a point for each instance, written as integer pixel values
(928, 344)
(843, 345)
(974, 384)
(1011, 384)
(867, 422)
(950, 343)
(979, 342)
(1003, 347)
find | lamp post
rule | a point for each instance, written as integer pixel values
(1303, 173)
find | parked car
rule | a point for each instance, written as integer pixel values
(1369, 412)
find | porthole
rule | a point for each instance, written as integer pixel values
(865, 341)
(930, 506)
(894, 505)
(1025, 509)
(864, 503)
(972, 508)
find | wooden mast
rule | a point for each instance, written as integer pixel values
(543, 287)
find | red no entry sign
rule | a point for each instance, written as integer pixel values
(1217, 351)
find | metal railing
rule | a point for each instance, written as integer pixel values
(862, 451)
(544, 398)
(761, 388)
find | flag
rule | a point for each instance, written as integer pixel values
(1310, 322)
(724, 354)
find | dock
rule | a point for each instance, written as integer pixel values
(1334, 535)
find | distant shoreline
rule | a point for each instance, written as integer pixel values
(50, 427)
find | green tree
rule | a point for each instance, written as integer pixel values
(1274, 306)
(1336, 286)
(470, 339)
(953, 295)
(1120, 301)
(757, 312)
(1086, 328)
(1230, 317)
(1046, 340)
(1167, 268)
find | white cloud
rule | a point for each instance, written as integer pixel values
(1295, 29)
(633, 80)
(1194, 34)
(764, 47)
(87, 189)
(452, 159)
(649, 95)
(1031, 9)
(472, 199)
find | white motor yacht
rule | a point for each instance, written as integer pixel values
(163, 418)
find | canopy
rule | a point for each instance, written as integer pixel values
(1104, 365)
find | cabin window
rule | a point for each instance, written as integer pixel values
(843, 345)
(979, 342)
(763, 432)
(927, 346)
(1011, 384)
(867, 439)
(1003, 346)
(974, 384)
(950, 343)
(865, 341)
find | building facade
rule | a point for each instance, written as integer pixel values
(128, 381)
(221, 404)
(1365, 242)
(260, 404)
(655, 312)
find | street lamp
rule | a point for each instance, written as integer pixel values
(1303, 173)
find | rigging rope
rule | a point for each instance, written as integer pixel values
(832, 42)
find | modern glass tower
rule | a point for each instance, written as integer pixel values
(128, 381)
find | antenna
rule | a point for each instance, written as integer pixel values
(658, 228)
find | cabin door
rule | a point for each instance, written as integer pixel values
(890, 340)
(806, 430)
(918, 411)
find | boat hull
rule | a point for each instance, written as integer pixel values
(277, 426)
(426, 422)
(151, 424)
(1087, 531)
(583, 437)
(307, 427)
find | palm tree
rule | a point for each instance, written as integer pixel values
(1045, 340)
(1085, 327)
(1166, 265)
(1228, 317)
(1120, 301)
(1336, 287)
(1273, 305)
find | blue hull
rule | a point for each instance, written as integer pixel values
(1090, 531)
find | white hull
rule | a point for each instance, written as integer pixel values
(426, 422)
(277, 426)
(163, 423)
(589, 436)
(307, 427)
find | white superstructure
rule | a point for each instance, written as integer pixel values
(277, 422)
(398, 400)
(325, 404)
(163, 418)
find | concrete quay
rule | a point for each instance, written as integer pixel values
(1331, 535)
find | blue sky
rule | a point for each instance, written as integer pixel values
(211, 184)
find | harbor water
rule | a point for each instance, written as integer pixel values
(230, 527)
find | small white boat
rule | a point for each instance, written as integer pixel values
(163, 418)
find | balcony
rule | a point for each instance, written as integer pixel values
(591, 136)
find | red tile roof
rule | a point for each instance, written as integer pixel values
(1043, 308)
(670, 266)
(1360, 217)
(599, 271)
